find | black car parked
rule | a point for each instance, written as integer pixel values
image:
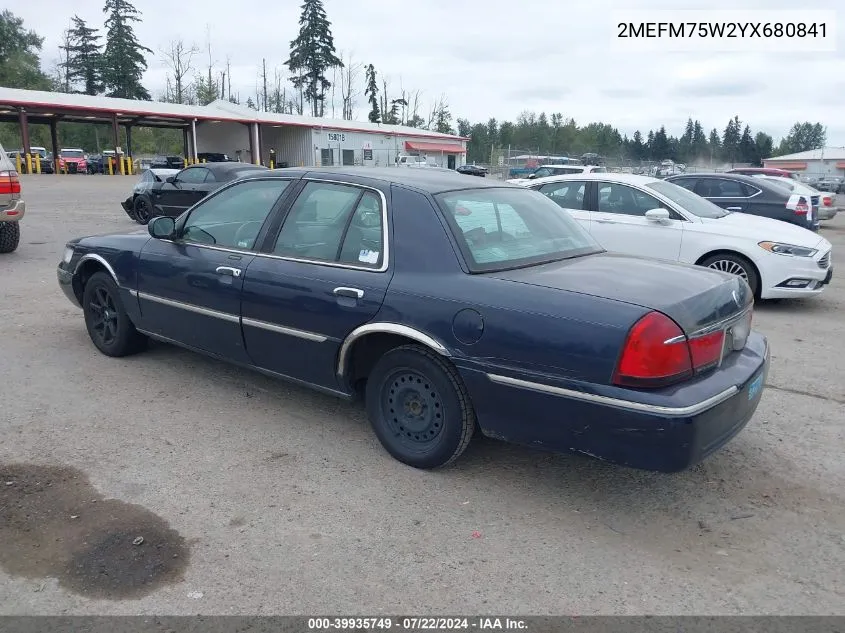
(167, 162)
(182, 190)
(472, 170)
(746, 194)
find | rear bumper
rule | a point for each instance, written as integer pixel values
(828, 213)
(633, 433)
(14, 212)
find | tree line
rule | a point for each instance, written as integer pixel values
(319, 81)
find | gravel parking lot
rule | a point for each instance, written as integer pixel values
(276, 500)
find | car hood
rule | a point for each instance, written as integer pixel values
(765, 229)
(694, 297)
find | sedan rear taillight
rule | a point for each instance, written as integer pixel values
(827, 201)
(10, 183)
(657, 353)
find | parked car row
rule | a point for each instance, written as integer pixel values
(756, 230)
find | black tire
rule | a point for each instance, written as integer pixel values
(10, 236)
(437, 420)
(142, 209)
(736, 265)
(109, 327)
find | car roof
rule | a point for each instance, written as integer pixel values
(230, 167)
(428, 180)
(629, 179)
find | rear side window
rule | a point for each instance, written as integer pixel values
(568, 194)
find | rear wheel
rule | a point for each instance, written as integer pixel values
(735, 265)
(419, 408)
(10, 236)
(109, 327)
(142, 209)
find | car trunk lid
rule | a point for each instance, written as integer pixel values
(696, 298)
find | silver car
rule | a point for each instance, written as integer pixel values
(12, 207)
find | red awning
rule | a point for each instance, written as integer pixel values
(446, 148)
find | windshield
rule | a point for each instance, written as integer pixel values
(500, 229)
(71, 153)
(687, 200)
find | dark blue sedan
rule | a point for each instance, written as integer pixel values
(449, 304)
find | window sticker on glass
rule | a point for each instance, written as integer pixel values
(368, 256)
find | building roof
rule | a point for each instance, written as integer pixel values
(41, 105)
(826, 153)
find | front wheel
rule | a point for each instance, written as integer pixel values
(10, 236)
(109, 327)
(419, 408)
(735, 265)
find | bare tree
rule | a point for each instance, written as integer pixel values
(349, 73)
(414, 120)
(264, 81)
(178, 58)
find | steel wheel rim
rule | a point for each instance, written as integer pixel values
(413, 409)
(730, 266)
(103, 316)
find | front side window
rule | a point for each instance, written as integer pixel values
(233, 217)
(568, 194)
(335, 224)
(498, 229)
(625, 200)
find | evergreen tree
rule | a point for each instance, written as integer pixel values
(312, 54)
(638, 148)
(715, 145)
(699, 142)
(685, 143)
(371, 92)
(764, 145)
(123, 61)
(660, 148)
(730, 140)
(83, 57)
(747, 147)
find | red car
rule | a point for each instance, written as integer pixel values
(72, 161)
(763, 171)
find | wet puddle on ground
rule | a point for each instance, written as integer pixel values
(54, 523)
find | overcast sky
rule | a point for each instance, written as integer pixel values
(496, 58)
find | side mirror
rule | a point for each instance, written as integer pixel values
(170, 179)
(658, 215)
(162, 227)
(531, 176)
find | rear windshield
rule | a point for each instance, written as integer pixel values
(687, 200)
(500, 229)
(71, 153)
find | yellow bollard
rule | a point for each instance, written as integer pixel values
(111, 167)
(29, 163)
(272, 166)
(204, 160)
(18, 162)
(184, 162)
(123, 165)
(38, 163)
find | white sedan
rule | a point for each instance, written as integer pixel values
(641, 215)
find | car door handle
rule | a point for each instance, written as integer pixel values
(352, 293)
(606, 221)
(733, 208)
(228, 270)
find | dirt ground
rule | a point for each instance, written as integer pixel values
(255, 497)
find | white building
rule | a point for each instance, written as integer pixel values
(827, 161)
(235, 130)
(312, 141)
